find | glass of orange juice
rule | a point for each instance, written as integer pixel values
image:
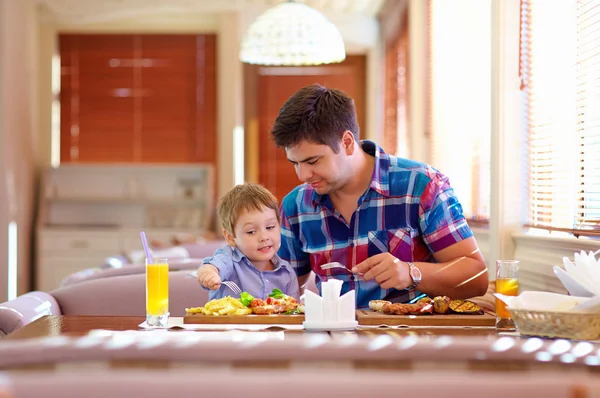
(157, 292)
(507, 283)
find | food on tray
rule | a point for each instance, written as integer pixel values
(277, 303)
(408, 309)
(223, 306)
(441, 304)
(426, 305)
(465, 307)
(377, 305)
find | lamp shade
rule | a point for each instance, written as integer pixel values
(292, 34)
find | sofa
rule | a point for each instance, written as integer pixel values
(184, 257)
(123, 295)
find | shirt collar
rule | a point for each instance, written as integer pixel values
(380, 177)
(237, 256)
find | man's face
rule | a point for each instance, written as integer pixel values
(318, 166)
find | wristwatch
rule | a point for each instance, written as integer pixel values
(415, 274)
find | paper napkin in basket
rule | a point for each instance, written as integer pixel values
(545, 314)
(553, 302)
(583, 274)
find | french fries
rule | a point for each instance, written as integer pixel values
(223, 306)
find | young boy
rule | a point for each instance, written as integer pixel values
(249, 215)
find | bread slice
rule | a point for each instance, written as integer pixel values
(377, 305)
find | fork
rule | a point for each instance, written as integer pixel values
(334, 265)
(233, 286)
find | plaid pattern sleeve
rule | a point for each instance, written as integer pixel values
(290, 249)
(441, 217)
(409, 210)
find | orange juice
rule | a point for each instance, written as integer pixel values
(157, 289)
(508, 287)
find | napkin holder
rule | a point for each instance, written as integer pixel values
(330, 311)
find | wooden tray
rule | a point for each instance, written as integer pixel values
(277, 319)
(368, 317)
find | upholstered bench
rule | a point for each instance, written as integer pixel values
(120, 295)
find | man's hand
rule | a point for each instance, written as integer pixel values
(208, 277)
(386, 270)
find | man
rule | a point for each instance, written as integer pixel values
(394, 223)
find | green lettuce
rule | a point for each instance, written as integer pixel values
(277, 294)
(246, 298)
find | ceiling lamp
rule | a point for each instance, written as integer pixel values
(292, 34)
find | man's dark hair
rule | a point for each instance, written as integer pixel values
(315, 114)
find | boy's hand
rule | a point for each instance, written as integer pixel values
(208, 276)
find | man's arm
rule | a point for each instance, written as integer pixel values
(461, 271)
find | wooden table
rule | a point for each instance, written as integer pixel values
(60, 325)
(75, 325)
(434, 348)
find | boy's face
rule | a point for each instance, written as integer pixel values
(257, 234)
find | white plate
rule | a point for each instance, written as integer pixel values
(573, 286)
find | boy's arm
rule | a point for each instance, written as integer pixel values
(217, 268)
(208, 276)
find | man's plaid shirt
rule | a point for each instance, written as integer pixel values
(409, 210)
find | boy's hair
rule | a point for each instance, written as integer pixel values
(315, 114)
(242, 198)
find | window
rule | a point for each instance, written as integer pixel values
(395, 138)
(460, 99)
(560, 73)
(137, 98)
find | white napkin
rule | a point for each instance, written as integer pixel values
(583, 274)
(545, 301)
(177, 323)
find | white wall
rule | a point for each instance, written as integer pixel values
(461, 93)
(17, 139)
(27, 44)
(360, 35)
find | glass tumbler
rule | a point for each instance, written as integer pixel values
(157, 292)
(507, 283)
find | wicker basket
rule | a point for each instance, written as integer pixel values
(567, 325)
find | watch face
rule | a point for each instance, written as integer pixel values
(415, 273)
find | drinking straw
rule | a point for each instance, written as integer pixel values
(145, 243)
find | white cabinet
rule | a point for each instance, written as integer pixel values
(82, 243)
(90, 212)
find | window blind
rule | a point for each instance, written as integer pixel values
(559, 66)
(588, 112)
(138, 98)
